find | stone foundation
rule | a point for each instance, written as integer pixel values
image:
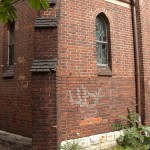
(15, 141)
(97, 142)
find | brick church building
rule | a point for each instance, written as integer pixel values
(73, 69)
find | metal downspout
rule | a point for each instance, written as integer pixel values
(137, 59)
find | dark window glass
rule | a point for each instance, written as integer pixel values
(101, 41)
(11, 54)
(11, 43)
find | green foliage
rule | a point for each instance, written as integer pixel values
(132, 120)
(8, 11)
(135, 137)
(118, 127)
(70, 146)
(37, 4)
(132, 138)
(128, 148)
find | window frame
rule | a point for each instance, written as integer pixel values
(104, 19)
(11, 34)
(104, 69)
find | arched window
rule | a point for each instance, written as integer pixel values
(101, 41)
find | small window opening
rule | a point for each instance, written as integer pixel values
(101, 41)
(11, 44)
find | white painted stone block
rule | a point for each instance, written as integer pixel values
(107, 145)
(112, 144)
(110, 136)
(103, 138)
(97, 139)
(94, 148)
(121, 132)
(84, 142)
(94, 140)
(98, 142)
(117, 134)
(104, 145)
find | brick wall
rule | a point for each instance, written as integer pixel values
(45, 43)
(29, 103)
(89, 104)
(144, 13)
(44, 114)
(44, 111)
(15, 92)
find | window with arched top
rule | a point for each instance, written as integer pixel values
(102, 41)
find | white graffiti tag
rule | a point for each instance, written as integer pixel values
(83, 97)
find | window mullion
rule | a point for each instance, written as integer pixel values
(103, 42)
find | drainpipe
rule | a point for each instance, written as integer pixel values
(137, 60)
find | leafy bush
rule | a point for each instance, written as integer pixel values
(136, 137)
(70, 146)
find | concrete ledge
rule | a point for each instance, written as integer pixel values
(15, 141)
(97, 142)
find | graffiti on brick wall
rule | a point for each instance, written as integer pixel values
(84, 97)
(90, 121)
(88, 101)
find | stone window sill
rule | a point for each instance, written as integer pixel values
(104, 71)
(9, 72)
